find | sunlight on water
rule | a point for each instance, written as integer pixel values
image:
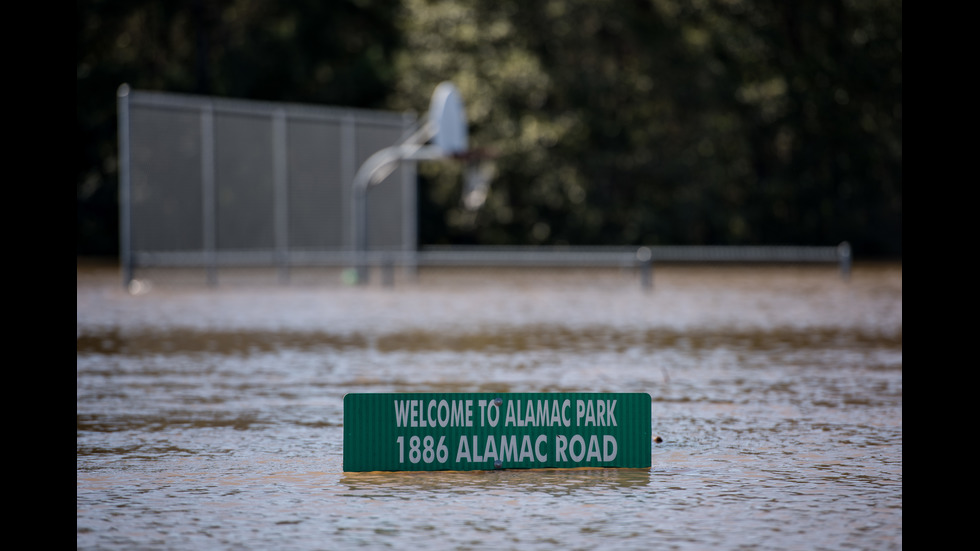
(213, 418)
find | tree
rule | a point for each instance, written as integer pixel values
(616, 122)
(717, 122)
(335, 53)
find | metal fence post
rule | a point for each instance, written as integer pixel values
(280, 193)
(209, 203)
(645, 257)
(844, 258)
(388, 271)
(125, 192)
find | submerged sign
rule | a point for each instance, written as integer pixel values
(481, 431)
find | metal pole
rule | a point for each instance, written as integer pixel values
(410, 209)
(208, 193)
(360, 232)
(388, 271)
(374, 170)
(125, 192)
(844, 258)
(348, 171)
(645, 257)
(280, 193)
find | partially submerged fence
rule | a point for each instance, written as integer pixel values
(641, 258)
(213, 182)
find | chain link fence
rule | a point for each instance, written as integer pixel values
(211, 182)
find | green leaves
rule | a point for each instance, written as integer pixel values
(663, 122)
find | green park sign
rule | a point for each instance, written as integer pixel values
(485, 431)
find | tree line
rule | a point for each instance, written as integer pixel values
(611, 122)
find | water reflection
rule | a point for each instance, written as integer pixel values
(554, 482)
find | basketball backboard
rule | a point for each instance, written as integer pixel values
(448, 119)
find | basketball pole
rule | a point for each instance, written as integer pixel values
(445, 124)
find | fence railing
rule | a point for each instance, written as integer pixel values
(642, 259)
(218, 181)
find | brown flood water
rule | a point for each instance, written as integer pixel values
(212, 418)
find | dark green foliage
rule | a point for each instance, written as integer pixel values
(335, 53)
(617, 122)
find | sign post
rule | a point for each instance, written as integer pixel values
(486, 431)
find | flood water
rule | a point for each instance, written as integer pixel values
(212, 418)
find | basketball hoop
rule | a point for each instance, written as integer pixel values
(446, 126)
(448, 120)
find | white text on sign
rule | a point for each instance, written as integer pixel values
(574, 448)
(535, 413)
